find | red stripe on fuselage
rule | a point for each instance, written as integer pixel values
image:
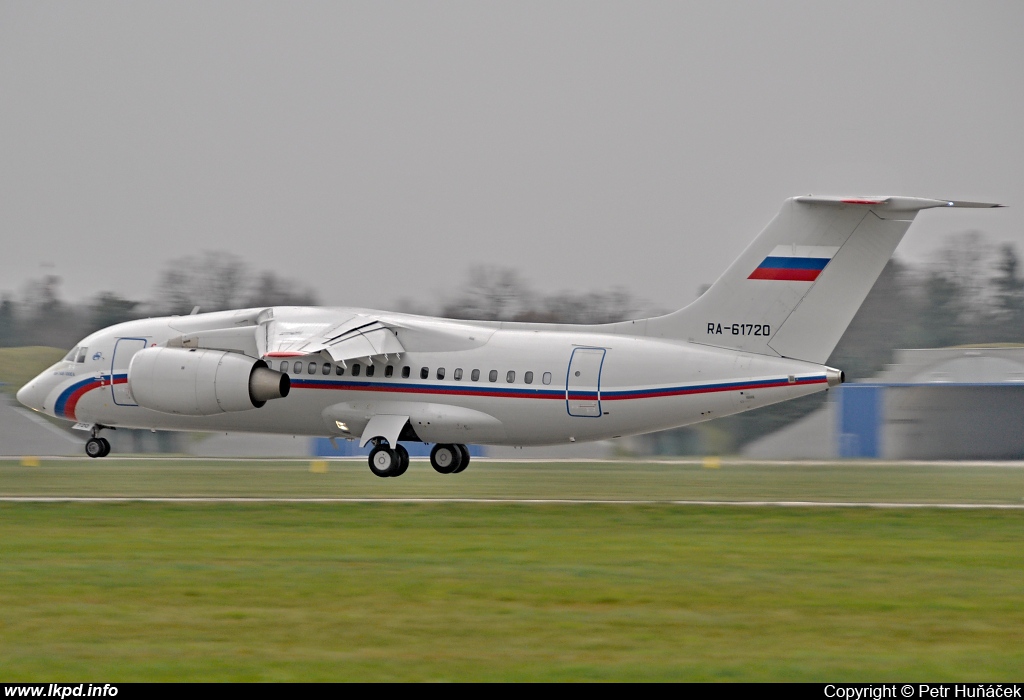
(72, 403)
(398, 389)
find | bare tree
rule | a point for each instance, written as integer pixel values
(501, 294)
(213, 281)
(491, 294)
(216, 281)
(1009, 290)
(273, 290)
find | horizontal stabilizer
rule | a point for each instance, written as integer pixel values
(896, 203)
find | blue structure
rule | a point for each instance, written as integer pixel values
(322, 447)
(860, 420)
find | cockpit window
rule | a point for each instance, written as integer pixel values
(81, 354)
(70, 357)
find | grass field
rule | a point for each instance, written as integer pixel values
(830, 482)
(18, 365)
(477, 591)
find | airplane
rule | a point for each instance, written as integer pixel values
(759, 335)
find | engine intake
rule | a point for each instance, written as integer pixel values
(202, 382)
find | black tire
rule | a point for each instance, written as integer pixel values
(465, 459)
(445, 459)
(94, 448)
(403, 460)
(106, 446)
(383, 461)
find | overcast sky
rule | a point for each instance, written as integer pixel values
(379, 150)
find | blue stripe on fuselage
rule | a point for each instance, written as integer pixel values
(514, 392)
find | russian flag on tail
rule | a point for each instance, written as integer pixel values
(794, 263)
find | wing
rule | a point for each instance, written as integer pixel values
(358, 336)
(340, 334)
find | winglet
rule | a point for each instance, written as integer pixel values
(895, 203)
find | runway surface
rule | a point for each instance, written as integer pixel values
(504, 501)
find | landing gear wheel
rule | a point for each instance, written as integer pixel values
(403, 460)
(383, 461)
(465, 459)
(95, 447)
(446, 459)
(106, 447)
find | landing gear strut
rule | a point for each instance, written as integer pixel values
(449, 459)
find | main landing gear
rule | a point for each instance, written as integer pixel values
(449, 459)
(386, 461)
(97, 446)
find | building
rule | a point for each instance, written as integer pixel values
(946, 403)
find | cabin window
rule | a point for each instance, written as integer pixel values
(297, 368)
(370, 369)
(510, 377)
(81, 355)
(528, 377)
(70, 357)
(458, 374)
(355, 369)
(475, 375)
(405, 372)
(339, 370)
(284, 366)
(440, 372)
(388, 371)
(270, 365)
(424, 372)
(327, 368)
(312, 368)
(492, 375)
(546, 378)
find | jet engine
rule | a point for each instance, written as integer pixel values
(202, 382)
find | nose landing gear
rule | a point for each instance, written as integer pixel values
(97, 446)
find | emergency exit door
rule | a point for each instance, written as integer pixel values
(583, 383)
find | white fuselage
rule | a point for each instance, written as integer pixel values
(534, 385)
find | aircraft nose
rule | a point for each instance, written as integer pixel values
(31, 395)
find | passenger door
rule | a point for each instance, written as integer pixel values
(583, 383)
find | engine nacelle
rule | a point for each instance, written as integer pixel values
(202, 382)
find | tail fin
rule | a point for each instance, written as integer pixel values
(797, 286)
